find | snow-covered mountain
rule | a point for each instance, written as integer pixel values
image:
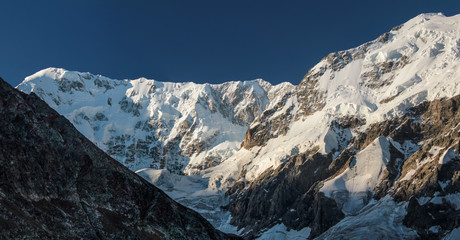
(182, 127)
(415, 62)
(323, 154)
(371, 132)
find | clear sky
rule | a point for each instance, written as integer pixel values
(199, 41)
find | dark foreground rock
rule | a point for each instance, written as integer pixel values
(55, 184)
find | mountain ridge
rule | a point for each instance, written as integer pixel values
(187, 118)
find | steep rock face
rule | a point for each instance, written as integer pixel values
(56, 184)
(262, 130)
(183, 127)
(289, 193)
(413, 158)
(425, 179)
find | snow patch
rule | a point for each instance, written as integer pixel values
(453, 235)
(193, 192)
(448, 156)
(281, 232)
(381, 219)
(353, 188)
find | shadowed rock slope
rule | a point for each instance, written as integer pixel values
(56, 184)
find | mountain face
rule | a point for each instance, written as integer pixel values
(56, 184)
(410, 163)
(366, 146)
(365, 133)
(183, 127)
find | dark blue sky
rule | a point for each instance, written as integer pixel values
(199, 41)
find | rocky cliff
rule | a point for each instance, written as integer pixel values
(413, 158)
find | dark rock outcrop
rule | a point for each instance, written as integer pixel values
(56, 184)
(266, 126)
(289, 194)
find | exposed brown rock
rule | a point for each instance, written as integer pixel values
(295, 184)
(267, 127)
(309, 97)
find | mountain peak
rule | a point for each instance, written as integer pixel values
(378, 76)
